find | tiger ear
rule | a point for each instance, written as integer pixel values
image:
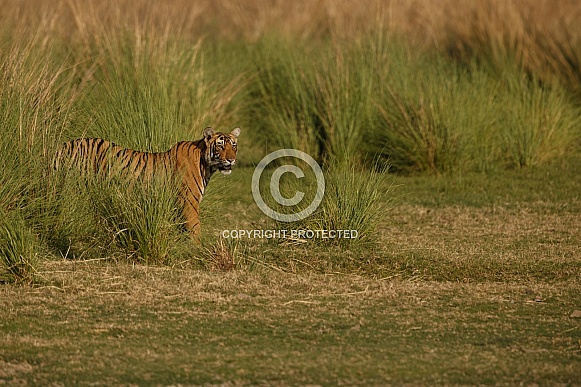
(208, 133)
(235, 132)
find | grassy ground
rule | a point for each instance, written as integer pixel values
(477, 284)
(112, 325)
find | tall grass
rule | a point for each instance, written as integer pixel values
(539, 123)
(542, 39)
(345, 102)
(71, 226)
(438, 117)
(34, 109)
(148, 91)
(19, 250)
(141, 220)
(421, 119)
(435, 89)
(317, 101)
(35, 106)
(356, 198)
(420, 110)
(429, 113)
(283, 98)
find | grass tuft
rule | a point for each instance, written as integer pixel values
(142, 220)
(284, 101)
(540, 123)
(221, 254)
(18, 251)
(152, 92)
(355, 199)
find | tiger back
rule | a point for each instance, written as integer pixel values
(191, 163)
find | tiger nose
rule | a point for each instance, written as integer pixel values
(231, 161)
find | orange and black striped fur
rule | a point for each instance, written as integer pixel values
(193, 161)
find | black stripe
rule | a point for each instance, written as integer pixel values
(193, 193)
(201, 189)
(141, 160)
(192, 205)
(101, 154)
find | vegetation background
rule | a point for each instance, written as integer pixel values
(449, 134)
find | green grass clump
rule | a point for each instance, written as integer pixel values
(35, 104)
(355, 199)
(538, 123)
(142, 220)
(18, 250)
(283, 98)
(34, 107)
(438, 117)
(420, 110)
(150, 91)
(434, 117)
(315, 100)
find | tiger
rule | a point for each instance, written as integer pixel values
(192, 163)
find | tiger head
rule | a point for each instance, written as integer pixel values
(221, 150)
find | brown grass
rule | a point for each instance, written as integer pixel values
(543, 37)
(488, 229)
(222, 255)
(115, 324)
(139, 285)
(509, 22)
(483, 244)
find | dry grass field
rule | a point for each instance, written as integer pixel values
(119, 325)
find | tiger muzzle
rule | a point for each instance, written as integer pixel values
(226, 166)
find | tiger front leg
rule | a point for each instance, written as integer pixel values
(191, 214)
